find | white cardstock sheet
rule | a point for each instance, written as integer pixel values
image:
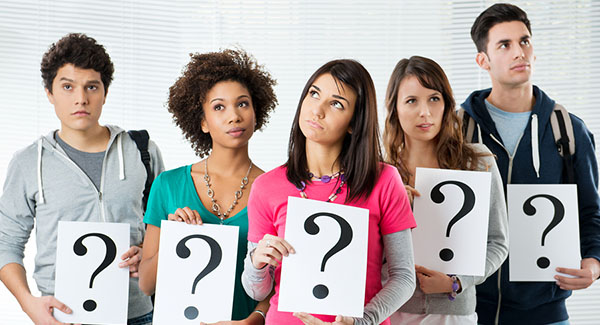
(452, 216)
(544, 231)
(196, 273)
(327, 274)
(88, 277)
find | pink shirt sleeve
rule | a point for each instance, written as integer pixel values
(396, 214)
(260, 214)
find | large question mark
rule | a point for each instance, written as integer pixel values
(437, 196)
(321, 291)
(216, 254)
(559, 213)
(109, 257)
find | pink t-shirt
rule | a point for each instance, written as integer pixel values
(389, 212)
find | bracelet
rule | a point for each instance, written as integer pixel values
(262, 313)
(452, 295)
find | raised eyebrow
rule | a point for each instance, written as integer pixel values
(215, 99)
(243, 96)
(317, 88)
(525, 38)
(340, 97)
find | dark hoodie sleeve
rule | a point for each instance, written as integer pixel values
(586, 177)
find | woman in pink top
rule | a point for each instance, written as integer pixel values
(334, 155)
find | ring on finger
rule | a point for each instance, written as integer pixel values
(268, 243)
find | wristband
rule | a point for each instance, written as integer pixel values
(452, 295)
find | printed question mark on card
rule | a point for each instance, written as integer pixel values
(216, 254)
(321, 291)
(559, 213)
(437, 196)
(109, 257)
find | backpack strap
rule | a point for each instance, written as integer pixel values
(141, 139)
(562, 129)
(468, 124)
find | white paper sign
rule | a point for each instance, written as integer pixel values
(452, 217)
(88, 277)
(196, 273)
(328, 272)
(544, 230)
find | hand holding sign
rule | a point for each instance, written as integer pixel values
(452, 221)
(195, 259)
(88, 277)
(544, 231)
(327, 274)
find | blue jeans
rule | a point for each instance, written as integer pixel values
(564, 322)
(141, 320)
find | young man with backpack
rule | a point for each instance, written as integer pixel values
(536, 142)
(82, 172)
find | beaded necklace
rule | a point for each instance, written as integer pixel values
(333, 195)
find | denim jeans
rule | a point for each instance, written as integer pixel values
(141, 320)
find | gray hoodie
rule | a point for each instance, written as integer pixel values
(44, 185)
(496, 253)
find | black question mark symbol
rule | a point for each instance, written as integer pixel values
(559, 213)
(216, 254)
(437, 196)
(109, 257)
(321, 291)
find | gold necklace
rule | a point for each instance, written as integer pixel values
(236, 196)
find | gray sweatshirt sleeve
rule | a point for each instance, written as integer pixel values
(257, 283)
(497, 240)
(401, 283)
(17, 211)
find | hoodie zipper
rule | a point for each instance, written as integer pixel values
(99, 193)
(508, 181)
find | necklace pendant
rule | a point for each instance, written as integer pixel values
(325, 178)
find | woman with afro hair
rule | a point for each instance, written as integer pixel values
(218, 102)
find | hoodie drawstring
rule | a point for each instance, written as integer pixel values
(535, 146)
(479, 139)
(120, 151)
(39, 172)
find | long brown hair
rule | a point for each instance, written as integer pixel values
(452, 153)
(361, 152)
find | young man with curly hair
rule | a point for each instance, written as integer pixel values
(218, 102)
(82, 172)
(514, 121)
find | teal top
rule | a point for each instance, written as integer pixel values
(175, 189)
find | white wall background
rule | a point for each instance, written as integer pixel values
(149, 42)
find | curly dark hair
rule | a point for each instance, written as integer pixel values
(205, 70)
(80, 50)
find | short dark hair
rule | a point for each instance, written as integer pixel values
(81, 51)
(361, 151)
(205, 70)
(496, 14)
